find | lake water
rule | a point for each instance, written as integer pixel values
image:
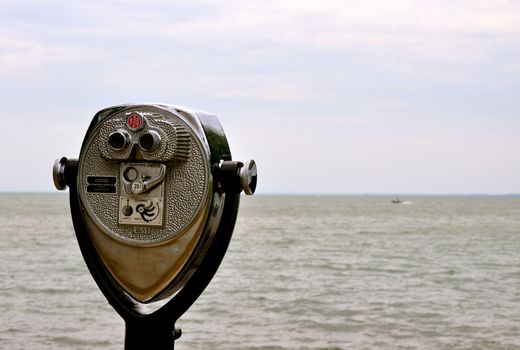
(301, 272)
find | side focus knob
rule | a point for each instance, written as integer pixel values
(64, 172)
(233, 176)
(248, 176)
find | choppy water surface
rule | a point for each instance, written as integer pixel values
(302, 272)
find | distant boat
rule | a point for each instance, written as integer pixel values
(396, 201)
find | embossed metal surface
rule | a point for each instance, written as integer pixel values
(186, 184)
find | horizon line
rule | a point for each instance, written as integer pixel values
(358, 194)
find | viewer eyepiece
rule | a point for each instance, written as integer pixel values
(150, 141)
(119, 140)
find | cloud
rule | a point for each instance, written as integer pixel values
(353, 85)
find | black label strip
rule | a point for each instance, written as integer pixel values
(101, 180)
(101, 184)
(99, 188)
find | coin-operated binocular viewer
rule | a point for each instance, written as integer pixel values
(154, 197)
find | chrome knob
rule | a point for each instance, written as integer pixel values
(58, 173)
(248, 175)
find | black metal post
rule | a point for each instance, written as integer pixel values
(145, 333)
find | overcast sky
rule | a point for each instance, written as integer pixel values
(391, 96)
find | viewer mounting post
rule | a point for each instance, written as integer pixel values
(154, 197)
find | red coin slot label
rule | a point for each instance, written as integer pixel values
(134, 121)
